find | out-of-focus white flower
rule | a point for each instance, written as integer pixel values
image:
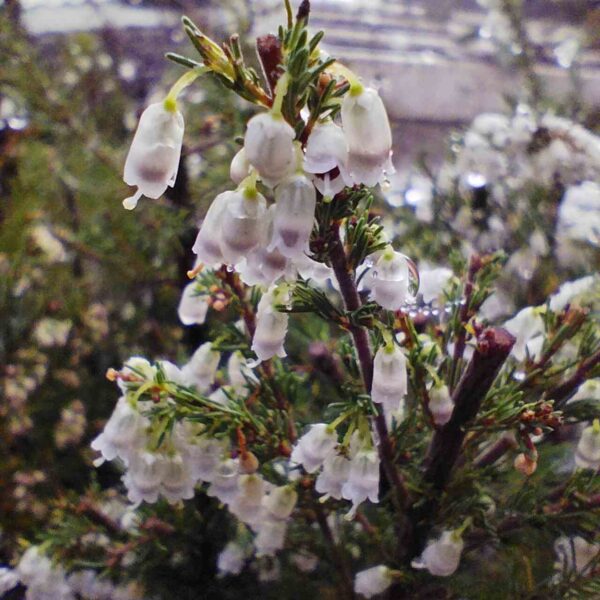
(50, 332)
(224, 485)
(313, 447)
(336, 468)
(231, 559)
(153, 158)
(239, 372)
(390, 383)
(368, 135)
(144, 476)
(363, 479)
(270, 538)
(588, 390)
(389, 280)
(8, 580)
(50, 245)
(441, 557)
(587, 455)
(432, 282)
(373, 581)
(240, 167)
(247, 504)
(269, 147)
(177, 482)
(295, 199)
(193, 306)
(440, 404)
(205, 456)
(280, 502)
(207, 245)
(574, 554)
(42, 579)
(528, 328)
(579, 213)
(271, 325)
(202, 367)
(570, 290)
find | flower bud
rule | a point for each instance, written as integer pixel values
(441, 557)
(314, 446)
(269, 145)
(248, 463)
(153, 158)
(294, 215)
(271, 326)
(587, 455)
(368, 134)
(373, 581)
(440, 404)
(526, 464)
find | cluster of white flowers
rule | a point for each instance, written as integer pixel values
(348, 471)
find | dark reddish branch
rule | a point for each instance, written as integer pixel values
(268, 48)
(562, 391)
(496, 451)
(493, 347)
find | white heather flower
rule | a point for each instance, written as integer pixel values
(239, 372)
(42, 579)
(139, 370)
(314, 446)
(334, 475)
(389, 280)
(579, 213)
(247, 504)
(390, 383)
(242, 224)
(271, 325)
(207, 245)
(570, 290)
(270, 538)
(52, 332)
(144, 477)
(588, 390)
(373, 581)
(201, 369)
(153, 158)
(177, 482)
(368, 134)
(269, 146)
(231, 559)
(123, 433)
(363, 479)
(295, 199)
(441, 557)
(193, 306)
(240, 167)
(587, 455)
(574, 553)
(8, 580)
(280, 502)
(432, 282)
(528, 328)
(224, 484)
(440, 404)
(205, 456)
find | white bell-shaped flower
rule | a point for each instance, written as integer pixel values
(574, 554)
(224, 485)
(314, 446)
(123, 433)
(336, 468)
(153, 158)
(587, 455)
(432, 282)
(8, 580)
(144, 477)
(240, 167)
(231, 559)
(269, 147)
(193, 306)
(177, 481)
(247, 504)
(207, 245)
(528, 328)
(390, 383)
(271, 325)
(368, 134)
(243, 224)
(280, 502)
(201, 369)
(389, 280)
(270, 538)
(205, 457)
(239, 372)
(363, 479)
(440, 404)
(296, 199)
(441, 557)
(373, 581)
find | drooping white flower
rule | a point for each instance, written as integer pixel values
(294, 215)
(224, 484)
(314, 446)
(363, 479)
(336, 468)
(368, 134)
(193, 306)
(247, 504)
(8, 580)
(207, 245)
(389, 280)
(239, 372)
(144, 477)
(587, 455)
(42, 579)
(441, 557)
(205, 456)
(528, 327)
(390, 383)
(242, 224)
(201, 369)
(231, 559)
(432, 282)
(574, 554)
(153, 158)
(270, 538)
(280, 502)
(177, 482)
(271, 325)
(570, 290)
(440, 404)
(240, 167)
(373, 581)
(269, 147)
